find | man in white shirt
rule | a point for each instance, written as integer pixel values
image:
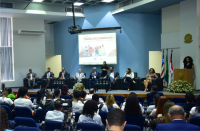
(101, 107)
(56, 115)
(79, 76)
(92, 92)
(22, 101)
(112, 77)
(76, 106)
(31, 77)
(4, 99)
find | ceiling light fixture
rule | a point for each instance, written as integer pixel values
(37, 0)
(78, 3)
(108, 1)
(35, 12)
(117, 11)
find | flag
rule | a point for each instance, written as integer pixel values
(163, 67)
(171, 71)
(166, 70)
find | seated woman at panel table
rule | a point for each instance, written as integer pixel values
(110, 101)
(151, 75)
(128, 76)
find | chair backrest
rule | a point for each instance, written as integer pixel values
(89, 127)
(178, 100)
(118, 103)
(136, 120)
(195, 120)
(130, 127)
(32, 98)
(77, 114)
(135, 74)
(103, 115)
(25, 121)
(70, 99)
(6, 104)
(110, 108)
(26, 129)
(33, 95)
(85, 74)
(10, 117)
(152, 103)
(40, 114)
(119, 98)
(158, 74)
(103, 97)
(23, 112)
(141, 99)
(65, 96)
(52, 125)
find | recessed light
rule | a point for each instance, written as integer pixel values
(37, 0)
(117, 11)
(78, 3)
(107, 1)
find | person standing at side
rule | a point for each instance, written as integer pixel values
(188, 63)
(104, 69)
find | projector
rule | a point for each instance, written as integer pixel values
(74, 29)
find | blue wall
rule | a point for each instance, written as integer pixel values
(140, 34)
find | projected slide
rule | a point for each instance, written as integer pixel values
(97, 46)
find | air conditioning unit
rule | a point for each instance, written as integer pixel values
(31, 32)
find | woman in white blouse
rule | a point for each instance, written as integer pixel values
(195, 111)
(153, 107)
(110, 101)
(128, 77)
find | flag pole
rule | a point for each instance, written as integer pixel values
(167, 70)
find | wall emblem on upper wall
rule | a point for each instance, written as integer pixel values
(188, 38)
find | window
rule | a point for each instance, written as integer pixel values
(6, 49)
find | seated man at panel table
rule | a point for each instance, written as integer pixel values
(94, 76)
(31, 77)
(177, 116)
(56, 114)
(79, 76)
(154, 90)
(4, 99)
(112, 76)
(92, 92)
(63, 75)
(48, 75)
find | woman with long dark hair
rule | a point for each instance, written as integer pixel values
(65, 91)
(128, 76)
(152, 107)
(38, 99)
(104, 69)
(151, 75)
(132, 106)
(195, 111)
(4, 119)
(188, 63)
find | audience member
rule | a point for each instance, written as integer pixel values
(190, 102)
(92, 92)
(57, 94)
(22, 101)
(161, 101)
(4, 99)
(83, 95)
(150, 95)
(56, 114)
(177, 116)
(65, 91)
(116, 120)
(110, 101)
(152, 107)
(132, 106)
(101, 107)
(76, 106)
(4, 120)
(89, 113)
(195, 111)
(38, 99)
(11, 95)
(25, 96)
(49, 103)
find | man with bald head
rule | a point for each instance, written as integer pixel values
(94, 76)
(177, 115)
(79, 76)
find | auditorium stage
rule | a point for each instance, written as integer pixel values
(124, 93)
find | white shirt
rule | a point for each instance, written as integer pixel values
(23, 102)
(96, 119)
(89, 97)
(153, 113)
(194, 112)
(59, 98)
(48, 75)
(31, 77)
(123, 107)
(83, 101)
(77, 107)
(112, 75)
(55, 116)
(150, 108)
(63, 75)
(79, 76)
(6, 100)
(104, 107)
(131, 75)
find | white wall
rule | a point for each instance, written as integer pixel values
(49, 39)
(29, 50)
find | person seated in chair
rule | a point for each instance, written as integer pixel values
(63, 75)
(94, 76)
(177, 115)
(83, 96)
(128, 76)
(11, 95)
(89, 96)
(195, 111)
(49, 103)
(77, 106)
(154, 90)
(57, 95)
(190, 102)
(4, 99)
(101, 107)
(79, 76)
(112, 76)
(56, 114)
(31, 77)
(151, 75)
(48, 75)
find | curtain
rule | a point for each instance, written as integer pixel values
(6, 49)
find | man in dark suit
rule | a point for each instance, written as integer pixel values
(150, 95)
(177, 115)
(48, 75)
(112, 76)
(94, 76)
(63, 75)
(31, 78)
